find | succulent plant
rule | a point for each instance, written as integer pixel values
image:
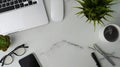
(95, 10)
(4, 42)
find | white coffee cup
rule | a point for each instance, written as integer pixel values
(110, 33)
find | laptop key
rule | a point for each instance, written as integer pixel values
(15, 1)
(3, 5)
(21, 5)
(0, 6)
(8, 0)
(24, 0)
(11, 3)
(4, 0)
(35, 2)
(6, 9)
(30, 2)
(19, 1)
(26, 4)
(0, 1)
(17, 6)
(7, 4)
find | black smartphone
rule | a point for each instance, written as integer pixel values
(29, 61)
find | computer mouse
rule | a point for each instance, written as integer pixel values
(57, 10)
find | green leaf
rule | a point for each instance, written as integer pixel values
(94, 25)
(95, 2)
(80, 2)
(78, 7)
(105, 19)
(101, 22)
(81, 12)
(109, 15)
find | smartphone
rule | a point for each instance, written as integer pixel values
(29, 61)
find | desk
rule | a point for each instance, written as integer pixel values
(74, 29)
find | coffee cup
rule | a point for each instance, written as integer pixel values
(110, 33)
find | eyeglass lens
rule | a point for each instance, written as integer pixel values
(20, 51)
(8, 60)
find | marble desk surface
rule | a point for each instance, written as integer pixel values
(73, 28)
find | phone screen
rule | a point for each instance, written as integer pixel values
(29, 61)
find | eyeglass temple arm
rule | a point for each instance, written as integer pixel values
(2, 61)
(26, 46)
(2, 64)
(23, 45)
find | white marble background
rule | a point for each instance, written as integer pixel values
(74, 29)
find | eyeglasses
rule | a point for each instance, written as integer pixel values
(18, 51)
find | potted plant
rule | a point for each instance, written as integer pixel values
(95, 10)
(4, 42)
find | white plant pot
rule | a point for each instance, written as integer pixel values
(110, 33)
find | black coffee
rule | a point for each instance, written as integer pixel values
(111, 33)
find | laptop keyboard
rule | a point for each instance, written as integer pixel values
(7, 5)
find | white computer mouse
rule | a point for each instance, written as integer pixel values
(57, 10)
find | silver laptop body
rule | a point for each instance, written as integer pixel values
(23, 18)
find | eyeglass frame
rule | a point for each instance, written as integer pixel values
(12, 52)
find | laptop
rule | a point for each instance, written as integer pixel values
(20, 15)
